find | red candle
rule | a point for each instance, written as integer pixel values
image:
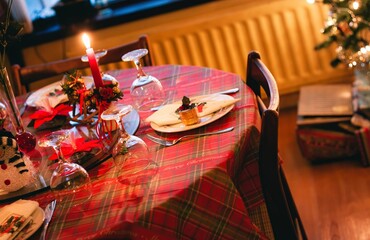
(92, 62)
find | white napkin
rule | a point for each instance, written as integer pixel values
(49, 102)
(22, 209)
(167, 115)
(46, 99)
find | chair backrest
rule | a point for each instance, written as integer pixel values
(283, 214)
(24, 76)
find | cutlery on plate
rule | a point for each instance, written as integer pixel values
(229, 91)
(49, 210)
(173, 142)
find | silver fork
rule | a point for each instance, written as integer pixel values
(173, 142)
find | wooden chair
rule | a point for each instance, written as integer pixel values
(24, 76)
(282, 212)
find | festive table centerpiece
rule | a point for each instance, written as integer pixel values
(88, 103)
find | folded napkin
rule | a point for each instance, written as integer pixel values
(167, 115)
(50, 102)
(14, 216)
(50, 96)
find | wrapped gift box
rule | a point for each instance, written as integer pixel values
(324, 130)
(323, 144)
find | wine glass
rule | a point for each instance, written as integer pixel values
(130, 153)
(69, 181)
(26, 140)
(146, 91)
(99, 54)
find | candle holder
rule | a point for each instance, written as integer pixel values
(88, 104)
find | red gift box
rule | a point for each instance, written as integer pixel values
(324, 144)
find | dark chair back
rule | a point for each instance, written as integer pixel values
(25, 76)
(282, 211)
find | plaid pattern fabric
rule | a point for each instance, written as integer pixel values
(197, 191)
(260, 217)
(248, 179)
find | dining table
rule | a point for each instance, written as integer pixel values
(203, 187)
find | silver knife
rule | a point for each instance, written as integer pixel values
(232, 90)
(49, 210)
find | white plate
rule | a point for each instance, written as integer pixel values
(45, 92)
(38, 219)
(180, 127)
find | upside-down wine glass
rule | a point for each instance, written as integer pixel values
(99, 54)
(69, 181)
(146, 90)
(130, 153)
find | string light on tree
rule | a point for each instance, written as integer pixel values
(347, 25)
(354, 5)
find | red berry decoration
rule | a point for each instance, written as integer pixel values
(7, 182)
(3, 166)
(26, 141)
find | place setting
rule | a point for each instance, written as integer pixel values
(188, 114)
(206, 109)
(20, 219)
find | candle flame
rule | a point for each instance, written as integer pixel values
(86, 40)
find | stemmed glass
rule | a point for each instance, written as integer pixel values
(69, 181)
(130, 153)
(99, 54)
(146, 91)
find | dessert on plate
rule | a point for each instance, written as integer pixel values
(188, 112)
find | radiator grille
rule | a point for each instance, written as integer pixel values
(285, 39)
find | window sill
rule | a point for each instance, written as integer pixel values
(47, 30)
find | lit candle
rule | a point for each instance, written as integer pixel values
(92, 62)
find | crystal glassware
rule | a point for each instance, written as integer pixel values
(26, 140)
(146, 90)
(130, 153)
(69, 182)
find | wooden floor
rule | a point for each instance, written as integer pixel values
(333, 198)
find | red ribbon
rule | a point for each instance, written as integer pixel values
(42, 116)
(80, 145)
(103, 105)
(81, 93)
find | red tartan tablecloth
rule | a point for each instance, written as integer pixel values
(203, 187)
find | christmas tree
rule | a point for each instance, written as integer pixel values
(348, 26)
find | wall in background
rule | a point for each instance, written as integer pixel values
(219, 35)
